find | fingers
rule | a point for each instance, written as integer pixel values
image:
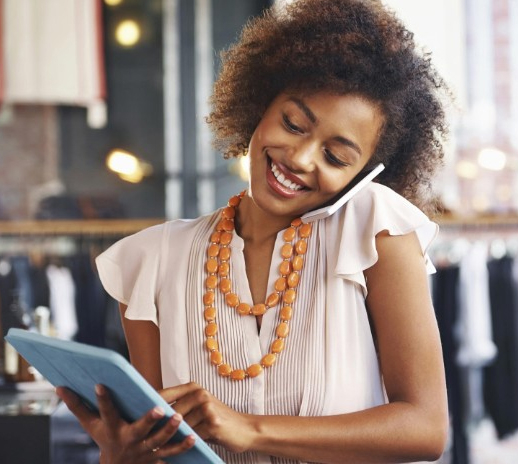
(192, 406)
(173, 449)
(165, 433)
(173, 394)
(107, 410)
(157, 443)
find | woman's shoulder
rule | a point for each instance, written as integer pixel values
(177, 229)
(375, 209)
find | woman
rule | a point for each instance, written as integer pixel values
(279, 341)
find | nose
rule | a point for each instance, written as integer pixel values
(303, 156)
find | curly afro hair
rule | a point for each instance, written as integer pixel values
(338, 46)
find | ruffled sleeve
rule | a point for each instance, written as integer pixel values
(376, 208)
(129, 272)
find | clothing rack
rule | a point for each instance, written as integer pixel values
(105, 227)
(455, 221)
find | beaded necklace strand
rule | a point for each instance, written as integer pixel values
(217, 267)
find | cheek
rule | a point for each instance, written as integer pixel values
(332, 181)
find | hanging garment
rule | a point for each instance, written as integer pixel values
(62, 301)
(446, 303)
(501, 377)
(90, 301)
(53, 54)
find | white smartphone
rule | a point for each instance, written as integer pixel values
(360, 181)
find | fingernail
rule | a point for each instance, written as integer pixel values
(99, 390)
(177, 417)
(191, 439)
(158, 412)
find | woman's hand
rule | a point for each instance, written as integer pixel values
(122, 442)
(210, 418)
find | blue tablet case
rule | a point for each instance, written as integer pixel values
(80, 367)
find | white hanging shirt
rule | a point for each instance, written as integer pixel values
(329, 365)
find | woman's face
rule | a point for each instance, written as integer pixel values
(306, 149)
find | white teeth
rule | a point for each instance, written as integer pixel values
(282, 180)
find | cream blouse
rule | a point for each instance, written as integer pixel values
(329, 365)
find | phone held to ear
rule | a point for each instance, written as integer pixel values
(360, 181)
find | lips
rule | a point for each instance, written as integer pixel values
(282, 181)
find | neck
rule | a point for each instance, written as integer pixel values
(255, 225)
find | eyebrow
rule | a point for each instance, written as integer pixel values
(311, 116)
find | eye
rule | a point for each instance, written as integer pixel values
(290, 126)
(332, 159)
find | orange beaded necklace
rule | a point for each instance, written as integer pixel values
(217, 267)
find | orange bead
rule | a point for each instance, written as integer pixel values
(211, 344)
(212, 265)
(296, 222)
(234, 201)
(293, 279)
(280, 284)
(213, 250)
(211, 281)
(243, 309)
(238, 374)
(272, 300)
(268, 360)
(224, 269)
(289, 234)
(301, 247)
(209, 314)
(208, 298)
(287, 251)
(305, 230)
(232, 299)
(225, 285)
(211, 329)
(215, 237)
(226, 238)
(289, 296)
(216, 358)
(258, 309)
(285, 268)
(227, 224)
(286, 313)
(283, 329)
(224, 370)
(228, 213)
(277, 345)
(254, 370)
(224, 254)
(297, 263)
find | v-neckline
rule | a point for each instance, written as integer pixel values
(263, 334)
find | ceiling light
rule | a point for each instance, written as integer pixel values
(128, 166)
(127, 33)
(492, 159)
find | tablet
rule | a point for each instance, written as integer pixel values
(80, 367)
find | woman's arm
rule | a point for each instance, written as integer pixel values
(143, 340)
(411, 427)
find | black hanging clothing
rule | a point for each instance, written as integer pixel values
(446, 304)
(90, 302)
(501, 377)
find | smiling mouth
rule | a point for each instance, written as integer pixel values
(281, 178)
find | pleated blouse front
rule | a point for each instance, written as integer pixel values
(329, 365)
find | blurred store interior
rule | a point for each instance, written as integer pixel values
(102, 133)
